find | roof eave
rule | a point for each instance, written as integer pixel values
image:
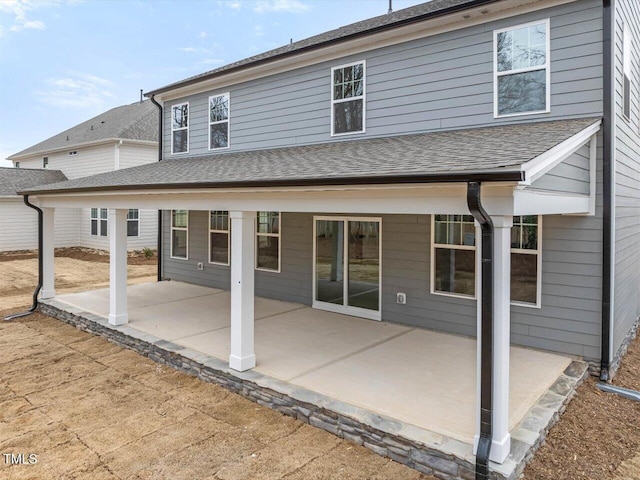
(371, 31)
(511, 175)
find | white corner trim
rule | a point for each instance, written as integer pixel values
(537, 167)
(593, 152)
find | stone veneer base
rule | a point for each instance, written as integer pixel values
(420, 449)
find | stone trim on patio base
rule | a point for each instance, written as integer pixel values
(428, 452)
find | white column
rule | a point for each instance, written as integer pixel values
(48, 257)
(501, 444)
(242, 355)
(118, 267)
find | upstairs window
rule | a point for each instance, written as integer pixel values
(99, 222)
(45, 162)
(522, 74)
(133, 222)
(219, 237)
(180, 128)
(626, 72)
(17, 164)
(268, 241)
(347, 101)
(219, 121)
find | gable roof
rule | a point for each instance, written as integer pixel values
(494, 153)
(137, 121)
(13, 180)
(417, 13)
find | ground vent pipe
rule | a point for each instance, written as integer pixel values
(34, 305)
(486, 351)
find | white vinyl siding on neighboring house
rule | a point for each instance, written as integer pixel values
(219, 112)
(180, 128)
(348, 99)
(521, 69)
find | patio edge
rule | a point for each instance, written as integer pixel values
(427, 452)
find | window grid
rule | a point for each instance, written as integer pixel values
(348, 84)
(219, 225)
(180, 128)
(522, 245)
(99, 218)
(500, 72)
(219, 113)
(268, 226)
(133, 222)
(180, 223)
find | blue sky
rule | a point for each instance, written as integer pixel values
(63, 62)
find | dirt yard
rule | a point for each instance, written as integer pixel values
(87, 409)
(75, 269)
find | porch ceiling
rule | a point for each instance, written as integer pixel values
(416, 376)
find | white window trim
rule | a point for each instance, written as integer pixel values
(279, 235)
(538, 252)
(227, 121)
(432, 263)
(99, 220)
(228, 232)
(346, 309)
(133, 220)
(363, 96)
(180, 129)
(546, 66)
(186, 229)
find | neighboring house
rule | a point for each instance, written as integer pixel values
(347, 168)
(122, 137)
(19, 223)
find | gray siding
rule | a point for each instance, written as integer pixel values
(568, 321)
(627, 178)
(440, 82)
(571, 175)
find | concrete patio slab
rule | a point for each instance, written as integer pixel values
(415, 385)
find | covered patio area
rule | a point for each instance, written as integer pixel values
(409, 382)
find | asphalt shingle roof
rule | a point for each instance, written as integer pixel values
(13, 180)
(455, 153)
(364, 27)
(137, 121)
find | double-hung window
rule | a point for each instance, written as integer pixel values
(347, 99)
(219, 237)
(133, 222)
(453, 255)
(180, 234)
(180, 128)
(268, 241)
(626, 72)
(219, 109)
(526, 260)
(99, 222)
(522, 73)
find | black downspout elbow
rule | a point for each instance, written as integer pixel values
(159, 246)
(34, 305)
(486, 373)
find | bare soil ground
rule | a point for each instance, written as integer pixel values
(76, 269)
(91, 410)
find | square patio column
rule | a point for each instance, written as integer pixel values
(48, 255)
(501, 444)
(242, 355)
(118, 267)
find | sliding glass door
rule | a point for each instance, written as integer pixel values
(347, 265)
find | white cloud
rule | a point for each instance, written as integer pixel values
(289, 6)
(203, 35)
(258, 30)
(188, 49)
(212, 61)
(18, 13)
(77, 90)
(232, 4)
